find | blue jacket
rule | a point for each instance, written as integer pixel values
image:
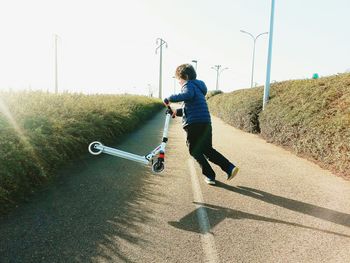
(194, 106)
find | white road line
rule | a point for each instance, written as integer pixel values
(207, 238)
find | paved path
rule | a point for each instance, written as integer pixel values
(280, 208)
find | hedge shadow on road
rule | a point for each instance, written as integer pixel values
(93, 212)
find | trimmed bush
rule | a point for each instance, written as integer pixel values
(312, 117)
(212, 93)
(239, 108)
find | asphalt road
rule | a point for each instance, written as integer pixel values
(280, 208)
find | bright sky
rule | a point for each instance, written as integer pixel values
(109, 46)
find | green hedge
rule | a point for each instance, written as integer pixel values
(213, 93)
(239, 108)
(39, 132)
(310, 117)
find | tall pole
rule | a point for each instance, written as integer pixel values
(252, 78)
(217, 68)
(253, 63)
(217, 77)
(56, 66)
(268, 70)
(149, 90)
(161, 43)
(218, 72)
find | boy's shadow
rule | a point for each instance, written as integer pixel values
(294, 205)
(216, 214)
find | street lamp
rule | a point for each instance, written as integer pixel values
(218, 72)
(254, 39)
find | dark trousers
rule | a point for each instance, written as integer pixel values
(199, 142)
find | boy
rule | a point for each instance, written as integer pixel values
(197, 123)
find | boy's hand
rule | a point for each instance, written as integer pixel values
(166, 102)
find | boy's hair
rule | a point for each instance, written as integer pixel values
(186, 72)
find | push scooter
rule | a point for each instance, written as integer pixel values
(154, 158)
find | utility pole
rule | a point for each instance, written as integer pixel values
(150, 92)
(268, 70)
(217, 68)
(160, 42)
(218, 72)
(56, 66)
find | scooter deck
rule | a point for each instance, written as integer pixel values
(121, 154)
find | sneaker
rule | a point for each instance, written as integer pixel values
(209, 181)
(233, 173)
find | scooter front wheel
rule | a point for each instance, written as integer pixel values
(93, 150)
(158, 167)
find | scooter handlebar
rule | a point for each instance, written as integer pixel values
(170, 111)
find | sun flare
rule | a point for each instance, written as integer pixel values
(4, 110)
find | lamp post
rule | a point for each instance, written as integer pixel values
(218, 72)
(268, 70)
(254, 39)
(160, 47)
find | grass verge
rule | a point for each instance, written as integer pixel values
(39, 132)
